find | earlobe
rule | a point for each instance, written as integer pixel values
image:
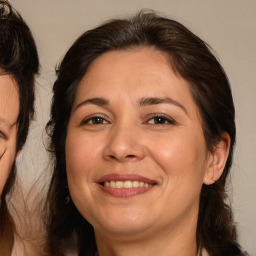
(217, 160)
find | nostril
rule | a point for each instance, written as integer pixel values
(121, 158)
(130, 156)
(126, 157)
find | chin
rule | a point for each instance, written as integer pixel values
(127, 223)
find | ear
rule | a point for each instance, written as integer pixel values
(217, 160)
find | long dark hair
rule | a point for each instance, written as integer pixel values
(18, 58)
(193, 60)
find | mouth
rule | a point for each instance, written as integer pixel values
(125, 186)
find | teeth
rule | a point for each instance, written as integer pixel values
(126, 184)
(119, 184)
(135, 184)
(112, 184)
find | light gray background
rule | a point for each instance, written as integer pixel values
(229, 26)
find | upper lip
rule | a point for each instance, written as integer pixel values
(124, 177)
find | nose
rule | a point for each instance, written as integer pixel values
(124, 144)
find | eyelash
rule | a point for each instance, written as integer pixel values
(164, 120)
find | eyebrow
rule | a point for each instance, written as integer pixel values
(142, 102)
(155, 100)
(94, 101)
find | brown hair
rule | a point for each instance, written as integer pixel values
(192, 59)
(18, 58)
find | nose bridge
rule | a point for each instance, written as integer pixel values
(125, 142)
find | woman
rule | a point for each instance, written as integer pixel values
(142, 134)
(18, 66)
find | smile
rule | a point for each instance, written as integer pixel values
(125, 186)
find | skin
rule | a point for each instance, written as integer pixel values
(163, 142)
(9, 111)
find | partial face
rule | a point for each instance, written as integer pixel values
(135, 150)
(9, 111)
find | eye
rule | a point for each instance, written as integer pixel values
(160, 119)
(2, 135)
(95, 120)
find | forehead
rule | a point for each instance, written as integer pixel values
(9, 100)
(132, 69)
(139, 72)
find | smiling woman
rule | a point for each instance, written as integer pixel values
(142, 132)
(18, 66)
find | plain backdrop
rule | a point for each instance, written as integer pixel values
(229, 26)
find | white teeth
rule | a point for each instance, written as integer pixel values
(119, 184)
(126, 184)
(135, 184)
(112, 184)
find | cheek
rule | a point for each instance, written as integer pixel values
(180, 155)
(3, 177)
(6, 164)
(2, 148)
(181, 160)
(8, 154)
(81, 156)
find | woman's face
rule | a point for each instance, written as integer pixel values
(135, 151)
(9, 111)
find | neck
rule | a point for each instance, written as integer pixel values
(171, 241)
(158, 247)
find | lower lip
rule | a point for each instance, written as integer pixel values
(125, 192)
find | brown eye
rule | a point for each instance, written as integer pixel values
(160, 120)
(2, 135)
(95, 120)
